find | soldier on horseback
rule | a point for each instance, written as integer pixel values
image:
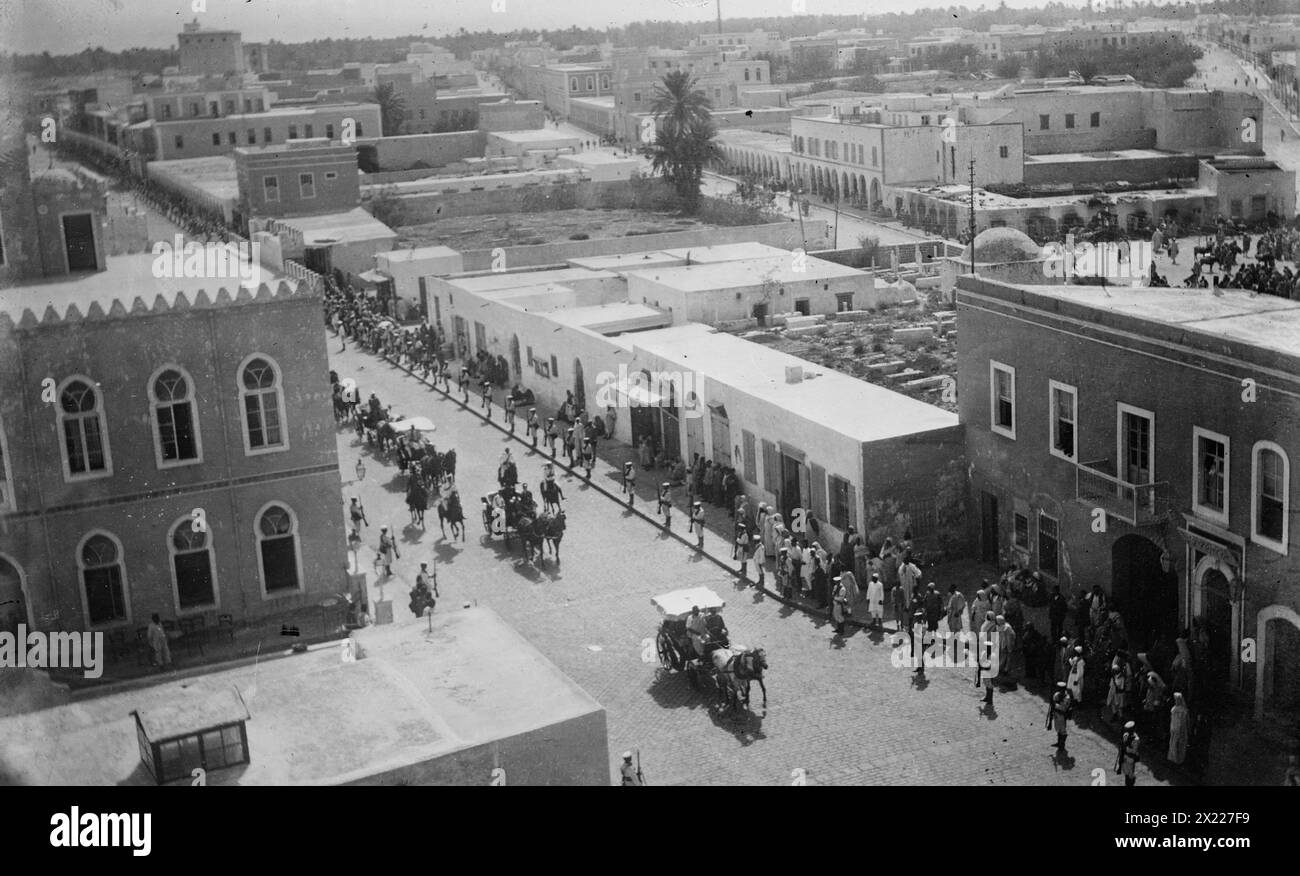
(551, 492)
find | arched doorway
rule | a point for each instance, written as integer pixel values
(875, 190)
(1216, 616)
(1143, 592)
(579, 386)
(516, 364)
(13, 597)
(1277, 676)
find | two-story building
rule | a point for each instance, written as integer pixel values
(1141, 440)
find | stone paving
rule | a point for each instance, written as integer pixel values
(837, 708)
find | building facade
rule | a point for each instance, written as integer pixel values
(1143, 441)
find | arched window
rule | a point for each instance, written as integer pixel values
(103, 575)
(263, 402)
(85, 442)
(13, 596)
(173, 409)
(192, 567)
(277, 536)
(1270, 496)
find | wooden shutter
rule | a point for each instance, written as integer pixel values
(751, 465)
(853, 505)
(819, 492)
(771, 468)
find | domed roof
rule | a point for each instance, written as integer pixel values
(997, 245)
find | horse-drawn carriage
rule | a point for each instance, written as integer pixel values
(508, 513)
(731, 667)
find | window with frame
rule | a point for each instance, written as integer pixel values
(1094, 120)
(1003, 152)
(266, 135)
(103, 577)
(271, 188)
(293, 132)
(166, 110)
(230, 106)
(309, 131)
(277, 537)
(192, 566)
(1021, 531)
(252, 136)
(838, 493)
(307, 185)
(216, 138)
(329, 129)
(85, 451)
(1002, 399)
(180, 142)
(232, 138)
(360, 131)
(1270, 499)
(174, 415)
(1210, 488)
(1069, 120)
(1044, 122)
(261, 392)
(1063, 406)
(1048, 546)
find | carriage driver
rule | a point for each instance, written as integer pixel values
(697, 627)
(718, 633)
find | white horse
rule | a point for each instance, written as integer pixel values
(737, 669)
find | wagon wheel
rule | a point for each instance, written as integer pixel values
(667, 653)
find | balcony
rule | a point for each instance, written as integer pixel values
(1135, 504)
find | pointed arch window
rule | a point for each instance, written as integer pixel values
(277, 536)
(103, 576)
(192, 566)
(81, 422)
(263, 396)
(176, 427)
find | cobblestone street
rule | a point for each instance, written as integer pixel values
(839, 710)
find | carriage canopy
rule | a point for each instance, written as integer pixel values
(419, 424)
(678, 604)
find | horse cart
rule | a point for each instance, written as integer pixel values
(505, 515)
(732, 668)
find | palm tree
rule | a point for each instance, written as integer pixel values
(392, 108)
(684, 144)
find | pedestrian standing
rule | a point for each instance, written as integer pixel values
(901, 604)
(444, 374)
(552, 434)
(697, 523)
(629, 482)
(1120, 682)
(464, 385)
(987, 639)
(1058, 714)
(1127, 757)
(630, 776)
(533, 426)
(956, 609)
(589, 455)
(840, 609)
(510, 412)
(796, 567)
(486, 389)
(741, 550)
(1057, 610)
(666, 503)
(1074, 677)
(387, 550)
(157, 637)
(756, 551)
(1180, 725)
(569, 447)
(876, 601)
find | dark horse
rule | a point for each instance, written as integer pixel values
(736, 670)
(449, 511)
(554, 532)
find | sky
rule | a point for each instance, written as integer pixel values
(69, 26)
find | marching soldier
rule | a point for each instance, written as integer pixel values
(444, 374)
(510, 412)
(464, 385)
(697, 523)
(741, 550)
(534, 426)
(666, 503)
(569, 447)
(631, 775)
(358, 515)
(589, 456)
(1127, 758)
(629, 482)
(486, 388)
(1058, 714)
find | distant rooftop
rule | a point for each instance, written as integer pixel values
(490, 282)
(731, 274)
(1262, 321)
(859, 410)
(354, 225)
(419, 253)
(315, 720)
(215, 174)
(1071, 157)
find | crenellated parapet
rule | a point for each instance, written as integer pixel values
(178, 302)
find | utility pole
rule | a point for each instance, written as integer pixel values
(719, 5)
(972, 215)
